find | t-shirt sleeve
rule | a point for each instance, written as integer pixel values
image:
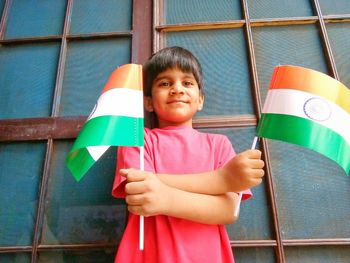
(227, 152)
(129, 157)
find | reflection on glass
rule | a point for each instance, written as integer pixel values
(83, 212)
(21, 170)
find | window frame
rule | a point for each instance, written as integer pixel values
(55, 127)
(148, 34)
(160, 29)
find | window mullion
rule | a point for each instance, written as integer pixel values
(325, 41)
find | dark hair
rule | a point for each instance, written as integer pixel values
(167, 58)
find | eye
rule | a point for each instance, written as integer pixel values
(164, 84)
(188, 83)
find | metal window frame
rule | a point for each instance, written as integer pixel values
(147, 36)
(54, 127)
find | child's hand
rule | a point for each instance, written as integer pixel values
(244, 171)
(145, 194)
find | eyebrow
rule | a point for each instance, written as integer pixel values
(186, 75)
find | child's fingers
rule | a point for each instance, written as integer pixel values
(258, 173)
(124, 172)
(134, 199)
(255, 154)
(133, 175)
(257, 163)
(134, 188)
(252, 154)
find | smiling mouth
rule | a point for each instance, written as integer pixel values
(176, 101)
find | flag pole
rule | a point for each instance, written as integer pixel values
(240, 195)
(142, 168)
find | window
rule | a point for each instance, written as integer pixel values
(55, 57)
(239, 43)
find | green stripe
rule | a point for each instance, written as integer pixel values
(106, 131)
(306, 133)
(79, 162)
(111, 131)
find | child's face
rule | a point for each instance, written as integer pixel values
(175, 98)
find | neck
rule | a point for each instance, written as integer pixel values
(163, 124)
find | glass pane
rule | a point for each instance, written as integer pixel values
(293, 45)
(27, 79)
(339, 37)
(2, 4)
(100, 256)
(254, 255)
(222, 54)
(88, 67)
(90, 16)
(320, 254)
(184, 11)
(32, 18)
(331, 7)
(83, 212)
(279, 8)
(21, 169)
(254, 220)
(15, 257)
(312, 193)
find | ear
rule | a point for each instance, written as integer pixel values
(148, 103)
(200, 102)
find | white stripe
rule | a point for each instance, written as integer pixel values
(119, 102)
(292, 102)
(97, 151)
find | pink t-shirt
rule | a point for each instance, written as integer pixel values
(175, 150)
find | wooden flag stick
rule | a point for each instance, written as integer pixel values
(142, 168)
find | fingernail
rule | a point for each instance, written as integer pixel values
(124, 171)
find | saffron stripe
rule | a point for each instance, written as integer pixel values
(308, 134)
(127, 76)
(320, 84)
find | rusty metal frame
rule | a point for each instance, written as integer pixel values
(148, 34)
(54, 127)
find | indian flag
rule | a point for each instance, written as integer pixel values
(310, 109)
(117, 119)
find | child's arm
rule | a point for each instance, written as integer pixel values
(200, 197)
(148, 196)
(242, 172)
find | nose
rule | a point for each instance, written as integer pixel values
(176, 88)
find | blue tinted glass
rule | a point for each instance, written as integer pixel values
(321, 254)
(32, 18)
(254, 255)
(91, 16)
(254, 220)
(21, 169)
(222, 54)
(100, 256)
(279, 8)
(2, 4)
(83, 212)
(15, 257)
(184, 11)
(330, 7)
(312, 193)
(27, 79)
(338, 34)
(283, 45)
(88, 67)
